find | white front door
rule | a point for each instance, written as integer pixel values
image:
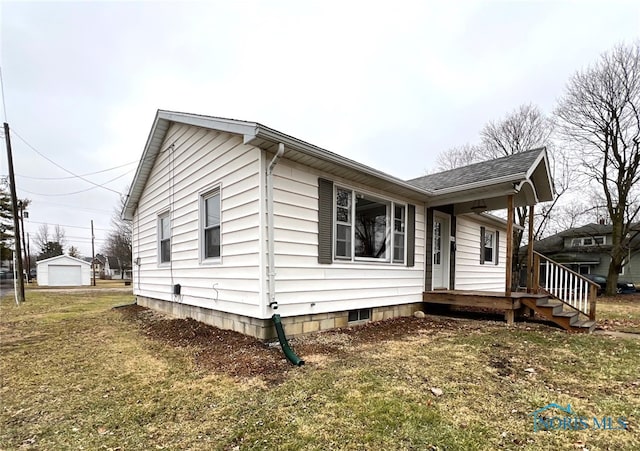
(440, 252)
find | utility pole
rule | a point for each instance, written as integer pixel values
(93, 257)
(28, 251)
(21, 206)
(16, 220)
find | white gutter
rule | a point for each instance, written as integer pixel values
(322, 154)
(271, 271)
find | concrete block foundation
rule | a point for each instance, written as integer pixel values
(263, 329)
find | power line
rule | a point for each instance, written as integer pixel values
(74, 207)
(72, 177)
(82, 190)
(63, 168)
(64, 225)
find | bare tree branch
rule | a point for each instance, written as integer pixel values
(599, 116)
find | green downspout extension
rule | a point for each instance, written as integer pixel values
(288, 352)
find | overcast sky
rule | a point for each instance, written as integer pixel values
(390, 84)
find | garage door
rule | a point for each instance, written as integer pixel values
(61, 276)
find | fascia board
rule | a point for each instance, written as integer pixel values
(317, 152)
(220, 124)
(513, 178)
(134, 190)
(472, 192)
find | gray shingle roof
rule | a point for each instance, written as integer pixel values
(484, 171)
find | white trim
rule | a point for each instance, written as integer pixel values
(445, 250)
(494, 243)
(163, 214)
(390, 203)
(203, 194)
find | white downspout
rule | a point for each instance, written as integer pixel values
(271, 271)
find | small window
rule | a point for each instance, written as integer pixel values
(164, 237)
(211, 225)
(343, 223)
(362, 314)
(489, 246)
(398, 233)
(588, 241)
(437, 242)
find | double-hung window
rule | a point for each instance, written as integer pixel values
(210, 208)
(368, 228)
(164, 238)
(489, 246)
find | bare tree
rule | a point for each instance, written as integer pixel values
(73, 252)
(599, 115)
(458, 156)
(118, 242)
(525, 128)
(42, 236)
(45, 239)
(59, 235)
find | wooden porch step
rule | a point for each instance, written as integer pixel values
(560, 313)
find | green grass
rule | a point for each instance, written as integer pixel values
(75, 374)
(620, 313)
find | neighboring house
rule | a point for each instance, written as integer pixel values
(63, 271)
(234, 221)
(586, 250)
(116, 269)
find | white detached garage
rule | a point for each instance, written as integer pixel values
(63, 271)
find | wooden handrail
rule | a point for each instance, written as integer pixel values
(568, 286)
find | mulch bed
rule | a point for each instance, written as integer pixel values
(243, 357)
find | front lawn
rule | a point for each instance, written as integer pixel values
(76, 373)
(620, 313)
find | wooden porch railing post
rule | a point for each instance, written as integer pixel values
(530, 269)
(509, 256)
(593, 294)
(535, 283)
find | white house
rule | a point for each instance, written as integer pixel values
(234, 221)
(63, 271)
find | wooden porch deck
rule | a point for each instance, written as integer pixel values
(484, 299)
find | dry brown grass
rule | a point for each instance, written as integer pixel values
(77, 374)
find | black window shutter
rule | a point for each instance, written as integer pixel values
(482, 245)
(497, 246)
(325, 221)
(411, 235)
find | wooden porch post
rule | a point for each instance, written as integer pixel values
(509, 256)
(530, 253)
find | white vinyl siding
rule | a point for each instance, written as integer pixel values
(202, 160)
(470, 274)
(340, 286)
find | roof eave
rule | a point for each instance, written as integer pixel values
(276, 137)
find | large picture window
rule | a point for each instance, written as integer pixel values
(368, 228)
(211, 225)
(164, 238)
